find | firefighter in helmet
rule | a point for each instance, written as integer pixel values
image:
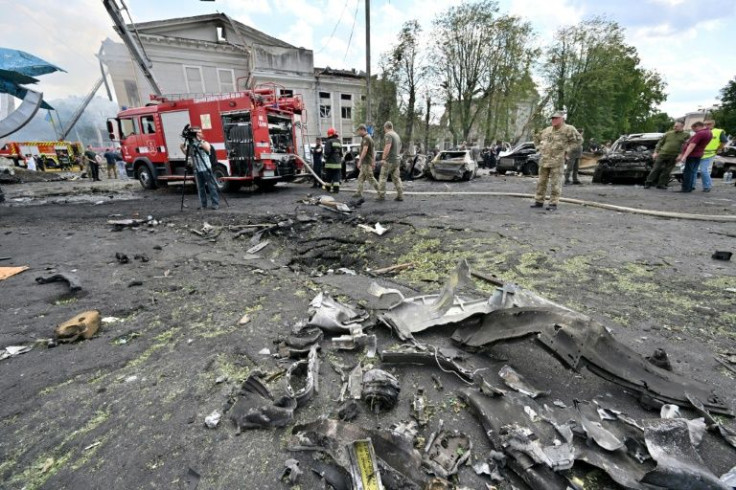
(333, 161)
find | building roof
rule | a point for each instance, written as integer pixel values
(248, 32)
(339, 73)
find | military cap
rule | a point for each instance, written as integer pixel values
(557, 114)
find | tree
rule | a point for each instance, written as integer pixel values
(408, 67)
(659, 122)
(485, 66)
(725, 115)
(597, 78)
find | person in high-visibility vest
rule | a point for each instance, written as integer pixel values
(333, 161)
(706, 162)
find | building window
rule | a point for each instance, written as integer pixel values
(347, 141)
(226, 79)
(362, 97)
(347, 112)
(147, 124)
(287, 93)
(346, 97)
(324, 95)
(194, 79)
(325, 110)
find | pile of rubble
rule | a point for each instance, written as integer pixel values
(534, 441)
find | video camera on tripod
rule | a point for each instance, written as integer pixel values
(190, 132)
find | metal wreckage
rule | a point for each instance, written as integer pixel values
(535, 442)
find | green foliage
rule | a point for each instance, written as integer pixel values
(725, 116)
(597, 77)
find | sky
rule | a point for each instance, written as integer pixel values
(690, 43)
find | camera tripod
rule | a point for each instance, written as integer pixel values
(210, 174)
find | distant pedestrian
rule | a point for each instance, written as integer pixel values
(120, 163)
(366, 161)
(30, 162)
(706, 162)
(333, 161)
(665, 154)
(317, 160)
(112, 168)
(199, 152)
(42, 163)
(93, 166)
(391, 163)
(554, 143)
(573, 163)
(2, 195)
(692, 155)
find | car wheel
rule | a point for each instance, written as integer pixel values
(530, 168)
(500, 171)
(598, 176)
(145, 177)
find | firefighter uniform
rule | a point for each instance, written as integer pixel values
(552, 144)
(333, 163)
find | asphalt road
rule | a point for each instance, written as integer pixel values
(126, 408)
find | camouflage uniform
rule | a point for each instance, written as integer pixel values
(366, 165)
(390, 167)
(552, 145)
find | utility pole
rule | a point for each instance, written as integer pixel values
(368, 115)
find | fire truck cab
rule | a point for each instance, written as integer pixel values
(253, 134)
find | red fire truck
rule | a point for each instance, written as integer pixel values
(254, 135)
(59, 154)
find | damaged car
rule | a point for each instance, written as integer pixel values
(522, 158)
(453, 165)
(630, 159)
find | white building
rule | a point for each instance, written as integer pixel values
(215, 54)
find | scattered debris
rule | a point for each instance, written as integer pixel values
(660, 359)
(357, 340)
(393, 268)
(120, 224)
(419, 408)
(722, 255)
(291, 471)
(308, 372)
(135, 283)
(431, 356)
(257, 248)
(14, 350)
(71, 279)
(380, 390)
(378, 229)
(328, 202)
(122, 258)
(6, 272)
(244, 319)
(517, 382)
(332, 316)
(348, 411)
(364, 466)
(142, 257)
(256, 408)
(446, 451)
(84, 325)
(212, 420)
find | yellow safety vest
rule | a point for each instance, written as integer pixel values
(712, 147)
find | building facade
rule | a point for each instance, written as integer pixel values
(211, 54)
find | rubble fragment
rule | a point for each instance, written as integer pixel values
(517, 382)
(6, 272)
(348, 411)
(380, 390)
(431, 356)
(84, 325)
(595, 430)
(256, 408)
(308, 373)
(212, 420)
(14, 350)
(377, 229)
(660, 359)
(291, 471)
(356, 340)
(121, 258)
(333, 316)
(446, 451)
(419, 408)
(364, 465)
(72, 280)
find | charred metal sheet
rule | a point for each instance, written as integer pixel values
(446, 451)
(257, 409)
(348, 411)
(660, 359)
(622, 469)
(380, 390)
(419, 408)
(730, 478)
(291, 471)
(333, 316)
(576, 339)
(332, 474)
(71, 279)
(430, 357)
(517, 382)
(712, 424)
(306, 374)
(595, 430)
(679, 466)
(398, 460)
(357, 340)
(419, 313)
(303, 338)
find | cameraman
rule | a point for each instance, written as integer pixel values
(198, 155)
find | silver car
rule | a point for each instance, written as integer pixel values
(453, 165)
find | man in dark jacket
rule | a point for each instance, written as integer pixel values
(333, 161)
(317, 160)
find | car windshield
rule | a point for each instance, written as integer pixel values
(637, 145)
(448, 155)
(522, 146)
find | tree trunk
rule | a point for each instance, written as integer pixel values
(426, 125)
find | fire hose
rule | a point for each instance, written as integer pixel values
(311, 171)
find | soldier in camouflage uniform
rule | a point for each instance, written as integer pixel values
(366, 160)
(554, 144)
(391, 162)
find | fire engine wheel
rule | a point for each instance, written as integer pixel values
(225, 185)
(266, 185)
(145, 177)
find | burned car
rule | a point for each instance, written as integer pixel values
(412, 166)
(630, 159)
(519, 159)
(453, 165)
